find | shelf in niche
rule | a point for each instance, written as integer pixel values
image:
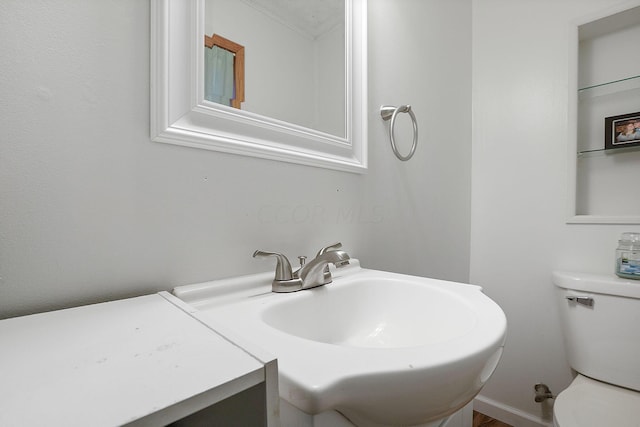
(604, 100)
(608, 88)
(604, 152)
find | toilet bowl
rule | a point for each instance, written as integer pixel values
(590, 403)
(599, 317)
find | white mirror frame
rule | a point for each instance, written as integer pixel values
(572, 168)
(180, 115)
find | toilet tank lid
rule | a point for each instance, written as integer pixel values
(597, 283)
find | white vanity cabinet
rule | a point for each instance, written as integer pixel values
(145, 361)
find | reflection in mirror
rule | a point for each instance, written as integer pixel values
(223, 71)
(294, 59)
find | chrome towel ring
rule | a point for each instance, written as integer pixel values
(390, 112)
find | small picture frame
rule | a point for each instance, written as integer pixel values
(622, 131)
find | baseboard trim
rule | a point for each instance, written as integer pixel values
(508, 414)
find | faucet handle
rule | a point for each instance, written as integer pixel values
(337, 245)
(283, 267)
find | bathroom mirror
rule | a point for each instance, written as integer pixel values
(181, 115)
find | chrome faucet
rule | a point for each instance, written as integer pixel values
(283, 281)
(316, 272)
(309, 275)
(327, 273)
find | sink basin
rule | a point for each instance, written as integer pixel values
(374, 313)
(380, 348)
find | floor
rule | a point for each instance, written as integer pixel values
(481, 420)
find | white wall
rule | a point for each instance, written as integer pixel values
(92, 210)
(519, 191)
(425, 202)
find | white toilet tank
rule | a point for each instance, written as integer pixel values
(600, 320)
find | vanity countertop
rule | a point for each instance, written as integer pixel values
(139, 361)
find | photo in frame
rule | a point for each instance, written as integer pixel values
(622, 131)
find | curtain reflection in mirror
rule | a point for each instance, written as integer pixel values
(224, 71)
(218, 83)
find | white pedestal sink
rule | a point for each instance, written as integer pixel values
(381, 348)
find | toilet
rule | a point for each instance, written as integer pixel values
(600, 321)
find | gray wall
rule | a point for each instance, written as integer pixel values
(92, 210)
(520, 191)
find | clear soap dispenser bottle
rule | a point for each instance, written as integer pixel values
(628, 256)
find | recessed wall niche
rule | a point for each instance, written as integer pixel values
(608, 82)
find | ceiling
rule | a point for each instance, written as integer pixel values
(311, 17)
